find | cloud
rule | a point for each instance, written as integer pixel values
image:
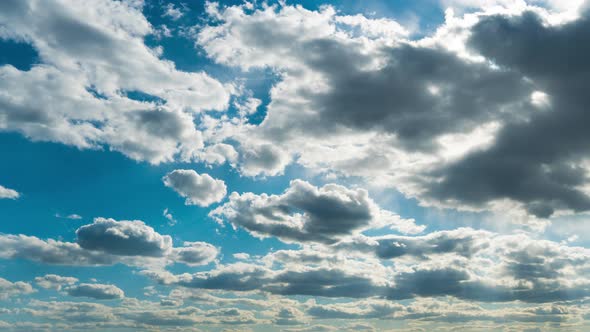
(466, 264)
(195, 253)
(198, 189)
(462, 241)
(8, 193)
(129, 238)
(72, 216)
(263, 159)
(107, 242)
(307, 213)
(551, 175)
(428, 117)
(174, 13)
(289, 316)
(92, 63)
(8, 289)
(166, 214)
(53, 281)
(96, 291)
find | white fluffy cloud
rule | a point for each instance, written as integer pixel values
(92, 59)
(198, 189)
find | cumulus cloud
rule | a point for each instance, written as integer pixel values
(96, 291)
(553, 174)
(8, 193)
(129, 238)
(8, 288)
(92, 60)
(308, 213)
(262, 159)
(54, 281)
(198, 189)
(195, 253)
(107, 242)
(430, 117)
(481, 266)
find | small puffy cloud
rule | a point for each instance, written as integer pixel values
(198, 189)
(128, 238)
(8, 193)
(308, 213)
(195, 253)
(8, 289)
(54, 281)
(96, 291)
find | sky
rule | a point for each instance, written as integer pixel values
(294, 165)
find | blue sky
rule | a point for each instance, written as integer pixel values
(294, 166)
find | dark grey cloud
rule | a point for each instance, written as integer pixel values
(420, 93)
(308, 213)
(96, 291)
(128, 238)
(538, 161)
(335, 88)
